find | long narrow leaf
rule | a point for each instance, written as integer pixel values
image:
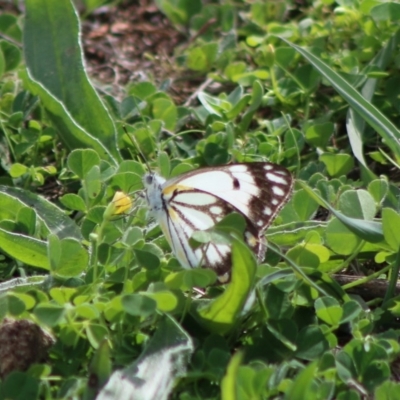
(354, 122)
(56, 73)
(385, 128)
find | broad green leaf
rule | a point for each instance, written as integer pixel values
(55, 72)
(303, 257)
(147, 260)
(68, 256)
(25, 249)
(220, 315)
(55, 219)
(319, 134)
(166, 300)
(340, 239)
(62, 295)
(379, 189)
(179, 12)
(391, 231)
(357, 204)
(96, 333)
(351, 310)
(311, 343)
(138, 305)
(165, 110)
(337, 164)
(126, 181)
(389, 11)
(73, 202)
(387, 391)
(19, 386)
(15, 305)
(303, 386)
(370, 231)
(49, 314)
(188, 279)
(28, 301)
(80, 162)
(91, 183)
(164, 164)
(328, 310)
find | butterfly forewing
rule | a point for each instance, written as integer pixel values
(199, 199)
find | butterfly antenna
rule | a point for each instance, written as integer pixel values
(136, 144)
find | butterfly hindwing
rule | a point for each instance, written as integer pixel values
(198, 199)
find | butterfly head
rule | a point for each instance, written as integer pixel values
(153, 188)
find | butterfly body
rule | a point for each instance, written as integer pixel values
(199, 199)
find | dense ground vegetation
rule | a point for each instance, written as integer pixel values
(91, 296)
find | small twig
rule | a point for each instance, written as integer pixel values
(367, 290)
(194, 95)
(11, 40)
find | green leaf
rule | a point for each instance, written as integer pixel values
(318, 135)
(378, 189)
(165, 110)
(328, 310)
(372, 115)
(73, 202)
(80, 162)
(387, 391)
(311, 343)
(386, 12)
(91, 183)
(255, 102)
(220, 315)
(370, 231)
(100, 367)
(202, 58)
(188, 279)
(303, 257)
(303, 386)
(391, 231)
(153, 374)
(138, 305)
(126, 181)
(96, 333)
(15, 305)
(49, 314)
(340, 239)
(68, 256)
(12, 55)
(304, 206)
(19, 386)
(357, 204)
(164, 164)
(351, 310)
(229, 381)
(337, 164)
(147, 260)
(166, 300)
(55, 72)
(53, 218)
(25, 249)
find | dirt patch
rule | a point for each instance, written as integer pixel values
(132, 42)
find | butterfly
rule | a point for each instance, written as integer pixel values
(198, 199)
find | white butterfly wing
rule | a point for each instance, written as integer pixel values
(197, 200)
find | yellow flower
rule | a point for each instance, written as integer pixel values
(120, 203)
